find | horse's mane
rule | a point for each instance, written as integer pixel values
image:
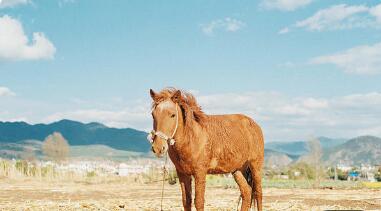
(187, 102)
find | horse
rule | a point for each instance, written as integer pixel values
(199, 144)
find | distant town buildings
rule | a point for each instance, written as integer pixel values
(102, 167)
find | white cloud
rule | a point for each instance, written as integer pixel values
(5, 91)
(285, 5)
(128, 117)
(313, 103)
(285, 30)
(12, 3)
(228, 24)
(365, 59)
(336, 17)
(287, 64)
(16, 119)
(339, 17)
(376, 12)
(62, 3)
(282, 117)
(370, 100)
(294, 118)
(15, 45)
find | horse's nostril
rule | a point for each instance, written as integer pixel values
(163, 148)
(153, 150)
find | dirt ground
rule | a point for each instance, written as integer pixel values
(33, 195)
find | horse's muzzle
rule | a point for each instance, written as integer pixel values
(160, 152)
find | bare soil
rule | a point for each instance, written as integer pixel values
(38, 195)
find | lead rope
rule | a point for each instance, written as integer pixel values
(166, 158)
(162, 187)
(169, 139)
(239, 200)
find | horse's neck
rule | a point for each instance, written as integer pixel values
(184, 141)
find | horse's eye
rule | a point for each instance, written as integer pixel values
(172, 116)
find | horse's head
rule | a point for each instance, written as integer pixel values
(165, 114)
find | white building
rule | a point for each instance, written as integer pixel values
(344, 167)
(125, 169)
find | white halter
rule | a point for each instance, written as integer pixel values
(170, 140)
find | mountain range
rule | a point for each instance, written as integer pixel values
(301, 147)
(76, 133)
(355, 151)
(95, 139)
(363, 149)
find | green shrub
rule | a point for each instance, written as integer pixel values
(306, 171)
(91, 174)
(377, 176)
(172, 177)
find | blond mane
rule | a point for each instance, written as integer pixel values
(187, 102)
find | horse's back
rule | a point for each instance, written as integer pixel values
(234, 138)
(239, 123)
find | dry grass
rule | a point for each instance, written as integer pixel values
(375, 185)
(29, 188)
(124, 194)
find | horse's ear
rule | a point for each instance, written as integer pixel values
(153, 94)
(176, 96)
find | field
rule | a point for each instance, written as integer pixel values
(32, 194)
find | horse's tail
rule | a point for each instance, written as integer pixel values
(247, 175)
(249, 179)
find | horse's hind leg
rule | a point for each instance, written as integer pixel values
(256, 175)
(245, 189)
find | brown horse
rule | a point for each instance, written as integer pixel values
(199, 144)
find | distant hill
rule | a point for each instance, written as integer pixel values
(76, 133)
(278, 159)
(98, 140)
(18, 149)
(296, 147)
(106, 152)
(301, 147)
(327, 143)
(33, 149)
(363, 149)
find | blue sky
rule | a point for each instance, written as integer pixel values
(300, 68)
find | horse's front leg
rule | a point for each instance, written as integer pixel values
(200, 181)
(186, 190)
